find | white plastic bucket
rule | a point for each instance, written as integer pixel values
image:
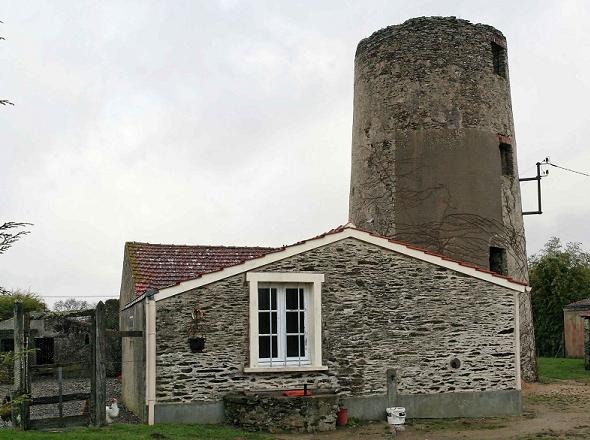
(396, 415)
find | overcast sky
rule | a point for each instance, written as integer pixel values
(229, 122)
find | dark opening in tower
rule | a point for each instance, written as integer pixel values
(498, 260)
(499, 54)
(507, 160)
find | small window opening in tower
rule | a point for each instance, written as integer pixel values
(498, 260)
(499, 54)
(506, 160)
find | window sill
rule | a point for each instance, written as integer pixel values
(293, 369)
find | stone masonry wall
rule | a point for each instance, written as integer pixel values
(380, 310)
(430, 112)
(269, 412)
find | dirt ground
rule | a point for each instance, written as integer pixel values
(559, 410)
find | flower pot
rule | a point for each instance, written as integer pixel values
(197, 344)
(342, 418)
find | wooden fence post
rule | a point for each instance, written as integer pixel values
(19, 344)
(587, 341)
(22, 379)
(92, 369)
(26, 416)
(99, 365)
(60, 384)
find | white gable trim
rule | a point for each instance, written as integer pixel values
(315, 243)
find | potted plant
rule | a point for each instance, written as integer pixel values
(196, 339)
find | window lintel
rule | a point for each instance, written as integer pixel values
(285, 277)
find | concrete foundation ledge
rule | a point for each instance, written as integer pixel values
(197, 412)
(444, 405)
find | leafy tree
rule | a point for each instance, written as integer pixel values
(558, 275)
(32, 302)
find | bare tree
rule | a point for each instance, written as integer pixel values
(10, 232)
(5, 101)
(71, 304)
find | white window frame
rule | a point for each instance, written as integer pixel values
(313, 291)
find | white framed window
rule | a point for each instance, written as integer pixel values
(283, 324)
(285, 321)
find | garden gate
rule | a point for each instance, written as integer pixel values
(96, 414)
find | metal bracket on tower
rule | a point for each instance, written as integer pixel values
(540, 174)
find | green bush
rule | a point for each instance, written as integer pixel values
(31, 303)
(558, 276)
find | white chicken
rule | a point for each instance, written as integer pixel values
(112, 411)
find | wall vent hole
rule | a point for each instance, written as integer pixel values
(507, 159)
(498, 262)
(455, 363)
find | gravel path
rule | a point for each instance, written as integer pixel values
(48, 387)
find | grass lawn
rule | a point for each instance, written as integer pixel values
(136, 432)
(551, 369)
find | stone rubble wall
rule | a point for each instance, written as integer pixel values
(429, 114)
(271, 413)
(380, 310)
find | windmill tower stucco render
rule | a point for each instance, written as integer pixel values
(433, 148)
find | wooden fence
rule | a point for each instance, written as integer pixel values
(22, 376)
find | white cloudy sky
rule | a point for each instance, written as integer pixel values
(229, 122)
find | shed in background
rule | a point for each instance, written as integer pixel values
(573, 327)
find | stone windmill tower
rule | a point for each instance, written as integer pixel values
(433, 147)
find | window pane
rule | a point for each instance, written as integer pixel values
(264, 347)
(263, 299)
(275, 350)
(291, 299)
(301, 303)
(263, 322)
(301, 322)
(274, 298)
(302, 345)
(274, 322)
(292, 346)
(292, 322)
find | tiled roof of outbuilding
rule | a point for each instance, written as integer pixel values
(162, 265)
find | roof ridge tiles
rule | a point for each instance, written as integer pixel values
(216, 246)
(158, 266)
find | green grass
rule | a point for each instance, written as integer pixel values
(551, 369)
(136, 432)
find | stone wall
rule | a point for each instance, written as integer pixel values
(380, 310)
(429, 116)
(270, 412)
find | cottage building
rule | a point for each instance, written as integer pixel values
(573, 327)
(375, 321)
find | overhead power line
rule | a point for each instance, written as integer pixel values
(79, 296)
(568, 169)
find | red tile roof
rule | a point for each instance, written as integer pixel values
(163, 265)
